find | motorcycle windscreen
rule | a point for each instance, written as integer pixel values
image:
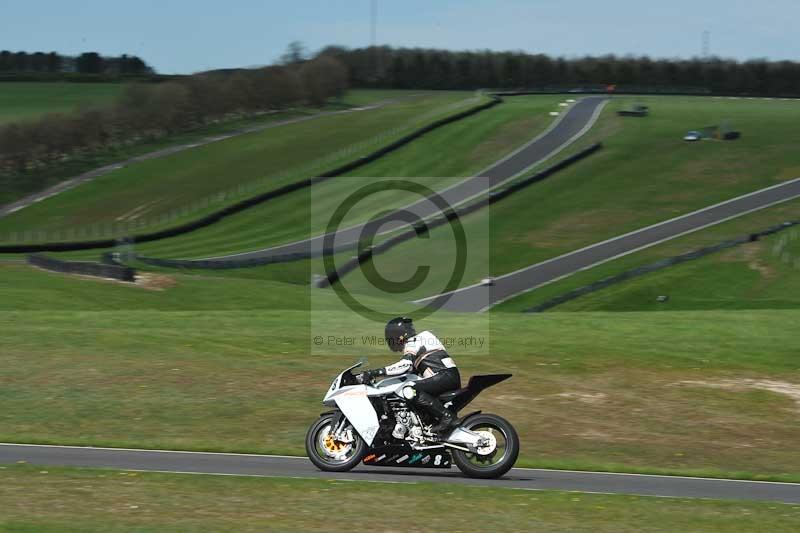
(356, 406)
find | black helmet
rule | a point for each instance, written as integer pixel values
(398, 331)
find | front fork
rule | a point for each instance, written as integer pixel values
(338, 428)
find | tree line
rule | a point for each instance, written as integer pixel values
(147, 111)
(152, 110)
(420, 68)
(86, 63)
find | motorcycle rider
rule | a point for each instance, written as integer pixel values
(424, 355)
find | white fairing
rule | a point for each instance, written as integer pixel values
(392, 385)
(353, 402)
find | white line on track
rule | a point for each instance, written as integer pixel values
(667, 476)
(301, 458)
(148, 450)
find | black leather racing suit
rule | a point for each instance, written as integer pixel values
(425, 356)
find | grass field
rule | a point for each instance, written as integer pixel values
(644, 174)
(35, 499)
(440, 158)
(753, 276)
(24, 100)
(224, 360)
(182, 186)
(12, 188)
(226, 364)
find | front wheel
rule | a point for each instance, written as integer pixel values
(494, 459)
(332, 455)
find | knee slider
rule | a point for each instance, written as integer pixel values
(409, 393)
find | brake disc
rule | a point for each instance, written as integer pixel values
(333, 448)
(490, 442)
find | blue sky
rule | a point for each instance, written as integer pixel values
(181, 36)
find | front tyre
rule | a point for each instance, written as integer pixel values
(332, 455)
(495, 459)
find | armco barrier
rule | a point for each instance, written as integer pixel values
(654, 267)
(255, 200)
(223, 264)
(423, 227)
(99, 270)
(220, 264)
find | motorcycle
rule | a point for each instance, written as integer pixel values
(373, 424)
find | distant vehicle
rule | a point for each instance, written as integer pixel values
(487, 282)
(635, 111)
(693, 136)
(727, 133)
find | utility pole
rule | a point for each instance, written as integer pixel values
(373, 31)
(706, 49)
(373, 22)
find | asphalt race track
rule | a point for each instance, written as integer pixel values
(480, 297)
(568, 127)
(300, 467)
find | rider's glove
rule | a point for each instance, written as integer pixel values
(368, 375)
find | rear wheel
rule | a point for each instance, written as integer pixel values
(500, 453)
(329, 453)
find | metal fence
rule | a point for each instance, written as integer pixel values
(221, 264)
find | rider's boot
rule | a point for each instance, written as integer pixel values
(446, 423)
(435, 407)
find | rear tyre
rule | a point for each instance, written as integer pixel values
(494, 460)
(329, 454)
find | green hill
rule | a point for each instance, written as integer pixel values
(166, 190)
(752, 276)
(709, 387)
(645, 174)
(438, 159)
